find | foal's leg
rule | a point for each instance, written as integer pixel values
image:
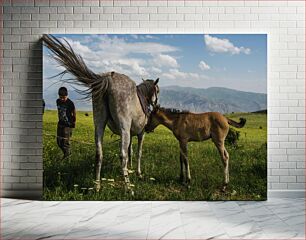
(182, 166)
(226, 156)
(139, 153)
(184, 157)
(225, 160)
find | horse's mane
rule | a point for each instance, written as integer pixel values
(145, 88)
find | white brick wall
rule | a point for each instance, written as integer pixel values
(24, 21)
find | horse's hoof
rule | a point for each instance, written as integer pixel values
(234, 193)
(131, 192)
(224, 188)
(126, 179)
(181, 179)
(186, 184)
(97, 185)
(139, 175)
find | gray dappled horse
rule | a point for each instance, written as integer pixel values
(117, 102)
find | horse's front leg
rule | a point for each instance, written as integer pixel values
(184, 159)
(139, 153)
(130, 152)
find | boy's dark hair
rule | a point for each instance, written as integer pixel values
(62, 91)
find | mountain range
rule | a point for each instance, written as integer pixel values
(216, 99)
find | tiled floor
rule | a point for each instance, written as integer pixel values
(273, 219)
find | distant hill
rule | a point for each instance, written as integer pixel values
(81, 104)
(217, 99)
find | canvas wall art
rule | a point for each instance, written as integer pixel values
(155, 116)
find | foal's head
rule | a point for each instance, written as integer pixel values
(154, 119)
(150, 90)
(165, 116)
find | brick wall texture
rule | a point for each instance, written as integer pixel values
(24, 22)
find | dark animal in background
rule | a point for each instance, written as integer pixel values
(187, 127)
(232, 137)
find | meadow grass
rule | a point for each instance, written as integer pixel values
(73, 178)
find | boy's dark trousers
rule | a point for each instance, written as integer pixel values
(63, 139)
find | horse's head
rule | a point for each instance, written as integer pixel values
(152, 91)
(154, 119)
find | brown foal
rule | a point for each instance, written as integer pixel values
(187, 127)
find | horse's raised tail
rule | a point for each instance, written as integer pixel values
(236, 124)
(75, 65)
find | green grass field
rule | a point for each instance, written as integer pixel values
(73, 178)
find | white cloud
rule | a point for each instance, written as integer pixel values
(143, 37)
(135, 59)
(151, 37)
(163, 60)
(204, 66)
(124, 65)
(134, 64)
(113, 55)
(155, 70)
(219, 45)
(49, 61)
(119, 45)
(178, 75)
(78, 47)
(135, 36)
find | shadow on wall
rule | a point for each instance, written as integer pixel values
(30, 117)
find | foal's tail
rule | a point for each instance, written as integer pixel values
(75, 65)
(236, 124)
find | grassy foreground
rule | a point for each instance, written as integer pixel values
(72, 179)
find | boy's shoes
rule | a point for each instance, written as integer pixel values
(66, 155)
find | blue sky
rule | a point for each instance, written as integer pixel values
(236, 61)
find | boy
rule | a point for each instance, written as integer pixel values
(66, 120)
